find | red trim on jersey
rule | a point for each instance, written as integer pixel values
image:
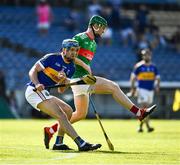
(86, 53)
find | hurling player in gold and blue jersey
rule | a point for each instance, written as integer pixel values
(146, 75)
(53, 69)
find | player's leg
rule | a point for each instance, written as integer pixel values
(60, 136)
(45, 102)
(140, 129)
(141, 123)
(54, 110)
(49, 131)
(81, 102)
(150, 101)
(59, 139)
(105, 86)
(144, 99)
(149, 128)
(51, 108)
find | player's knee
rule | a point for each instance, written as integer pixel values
(80, 115)
(62, 115)
(69, 112)
(114, 86)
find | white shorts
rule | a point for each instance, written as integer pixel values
(34, 98)
(81, 90)
(145, 96)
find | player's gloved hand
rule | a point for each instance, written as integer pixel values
(39, 87)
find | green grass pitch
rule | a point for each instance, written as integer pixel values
(21, 142)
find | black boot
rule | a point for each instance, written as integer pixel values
(89, 147)
(61, 147)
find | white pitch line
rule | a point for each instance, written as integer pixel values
(60, 157)
(67, 156)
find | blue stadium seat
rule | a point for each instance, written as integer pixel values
(114, 62)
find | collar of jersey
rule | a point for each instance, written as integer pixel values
(89, 36)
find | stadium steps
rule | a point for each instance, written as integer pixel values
(166, 20)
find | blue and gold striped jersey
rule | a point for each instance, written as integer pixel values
(53, 64)
(145, 75)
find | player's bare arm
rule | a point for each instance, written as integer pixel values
(81, 63)
(157, 88)
(132, 81)
(33, 76)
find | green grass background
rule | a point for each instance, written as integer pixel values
(21, 142)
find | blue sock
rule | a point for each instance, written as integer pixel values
(80, 142)
(59, 140)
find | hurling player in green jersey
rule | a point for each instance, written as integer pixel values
(97, 26)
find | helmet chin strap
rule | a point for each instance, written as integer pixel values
(95, 30)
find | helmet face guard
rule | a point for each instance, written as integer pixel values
(98, 20)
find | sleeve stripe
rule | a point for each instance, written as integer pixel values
(42, 66)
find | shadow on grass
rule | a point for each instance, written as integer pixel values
(111, 152)
(95, 151)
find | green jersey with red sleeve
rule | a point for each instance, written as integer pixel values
(86, 52)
